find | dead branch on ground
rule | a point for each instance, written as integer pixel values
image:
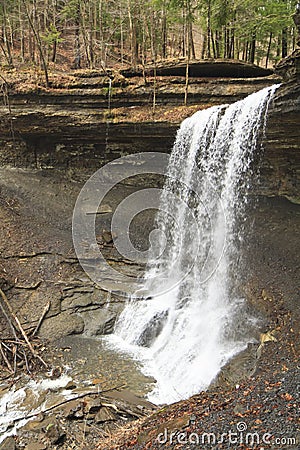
(19, 351)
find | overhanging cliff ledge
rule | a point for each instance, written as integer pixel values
(84, 122)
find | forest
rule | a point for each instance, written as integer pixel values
(97, 34)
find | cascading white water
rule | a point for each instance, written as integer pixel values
(193, 321)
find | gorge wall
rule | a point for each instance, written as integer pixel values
(280, 162)
(50, 142)
(76, 128)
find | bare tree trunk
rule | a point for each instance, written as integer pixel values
(77, 57)
(284, 43)
(91, 39)
(4, 52)
(293, 41)
(132, 29)
(278, 47)
(231, 45)
(232, 37)
(225, 42)
(121, 37)
(144, 49)
(39, 44)
(252, 48)
(209, 29)
(213, 46)
(217, 44)
(186, 90)
(164, 31)
(54, 45)
(204, 46)
(45, 26)
(188, 20)
(183, 33)
(245, 51)
(191, 41)
(10, 34)
(6, 40)
(85, 35)
(269, 49)
(100, 33)
(153, 53)
(238, 47)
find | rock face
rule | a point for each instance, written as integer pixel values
(280, 162)
(72, 128)
(86, 125)
(289, 67)
(60, 138)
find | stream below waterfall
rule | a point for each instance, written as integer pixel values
(87, 364)
(172, 342)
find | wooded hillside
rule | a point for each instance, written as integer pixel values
(102, 33)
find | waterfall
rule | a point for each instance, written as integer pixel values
(192, 319)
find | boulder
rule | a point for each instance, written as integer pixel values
(104, 415)
(100, 321)
(61, 325)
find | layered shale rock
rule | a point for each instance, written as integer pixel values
(58, 137)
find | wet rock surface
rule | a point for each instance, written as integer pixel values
(38, 262)
(95, 362)
(89, 392)
(261, 412)
(80, 420)
(271, 260)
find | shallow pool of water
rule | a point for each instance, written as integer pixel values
(92, 361)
